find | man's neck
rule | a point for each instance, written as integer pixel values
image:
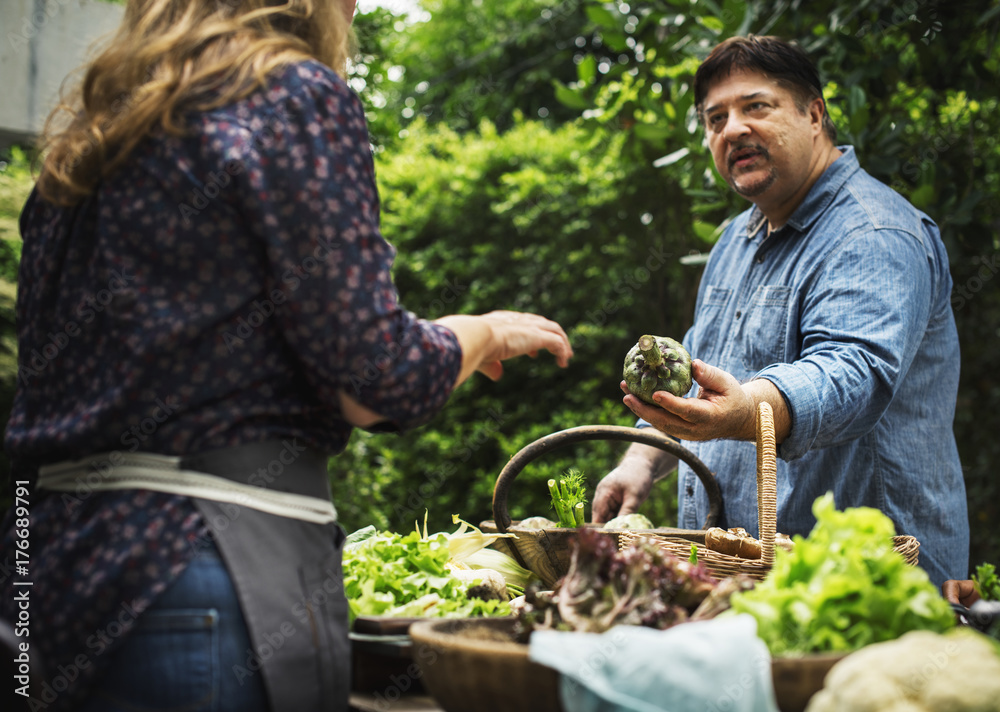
(777, 215)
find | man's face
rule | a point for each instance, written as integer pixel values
(761, 142)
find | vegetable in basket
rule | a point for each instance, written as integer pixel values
(629, 521)
(737, 542)
(641, 585)
(843, 587)
(569, 495)
(538, 523)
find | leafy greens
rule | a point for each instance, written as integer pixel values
(569, 495)
(842, 588)
(986, 582)
(641, 585)
(395, 575)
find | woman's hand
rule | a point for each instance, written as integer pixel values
(492, 338)
(520, 333)
(486, 342)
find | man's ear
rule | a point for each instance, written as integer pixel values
(817, 109)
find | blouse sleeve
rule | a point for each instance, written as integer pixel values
(311, 195)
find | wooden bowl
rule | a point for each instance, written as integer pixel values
(474, 665)
(381, 654)
(796, 680)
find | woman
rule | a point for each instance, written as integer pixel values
(205, 312)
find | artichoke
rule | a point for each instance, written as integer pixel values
(657, 363)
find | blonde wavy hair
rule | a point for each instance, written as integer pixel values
(169, 57)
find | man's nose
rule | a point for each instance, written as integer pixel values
(735, 128)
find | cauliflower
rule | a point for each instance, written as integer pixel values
(630, 521)
(538, 523)
(921, 671)
(494, 583)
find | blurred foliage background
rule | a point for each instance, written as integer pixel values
(543, 155)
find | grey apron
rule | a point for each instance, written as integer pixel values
(287, 575)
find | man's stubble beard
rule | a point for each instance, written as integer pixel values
(752, 191)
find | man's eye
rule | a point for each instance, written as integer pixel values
(715, 119)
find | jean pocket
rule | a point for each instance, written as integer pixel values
(766, 327)
(168, 663)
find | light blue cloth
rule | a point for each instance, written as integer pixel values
(847, 309)
(707, 666)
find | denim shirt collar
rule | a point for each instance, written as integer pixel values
(819, 197)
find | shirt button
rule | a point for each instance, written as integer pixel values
(739, 314)
(760, 260)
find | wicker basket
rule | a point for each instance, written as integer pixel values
(474, 665)
(547, 552)
(723, 565)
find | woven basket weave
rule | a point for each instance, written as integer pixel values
(547, 552)
(724, 565)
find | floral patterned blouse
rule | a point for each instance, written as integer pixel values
(221, 288)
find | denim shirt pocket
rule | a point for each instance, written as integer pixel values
(766, 327)
(716, 297)
(709, 331)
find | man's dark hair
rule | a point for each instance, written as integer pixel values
(782, 61)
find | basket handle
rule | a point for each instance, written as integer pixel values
(644, 436)
(767, 489)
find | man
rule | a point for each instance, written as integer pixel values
(830, 300)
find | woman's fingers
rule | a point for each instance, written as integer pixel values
(522, 333)
(493, 370)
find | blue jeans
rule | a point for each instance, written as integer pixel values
(184, 648)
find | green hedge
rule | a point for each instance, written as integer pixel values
(15, 185)
(553, 222)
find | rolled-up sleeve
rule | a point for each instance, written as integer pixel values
(313, 198)
(862, 321)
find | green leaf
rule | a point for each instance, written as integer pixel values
(707, 232)
(601, 16)
(859, 120)
(614, 40)
(713, 23)
(842, 587)
(737, 16)
(856, 99)
(986, 582)
(652, 132)
(922, 196)
(572, 98)
(586, 70)
(392, 574)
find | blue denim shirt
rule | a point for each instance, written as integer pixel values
(847, 310)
